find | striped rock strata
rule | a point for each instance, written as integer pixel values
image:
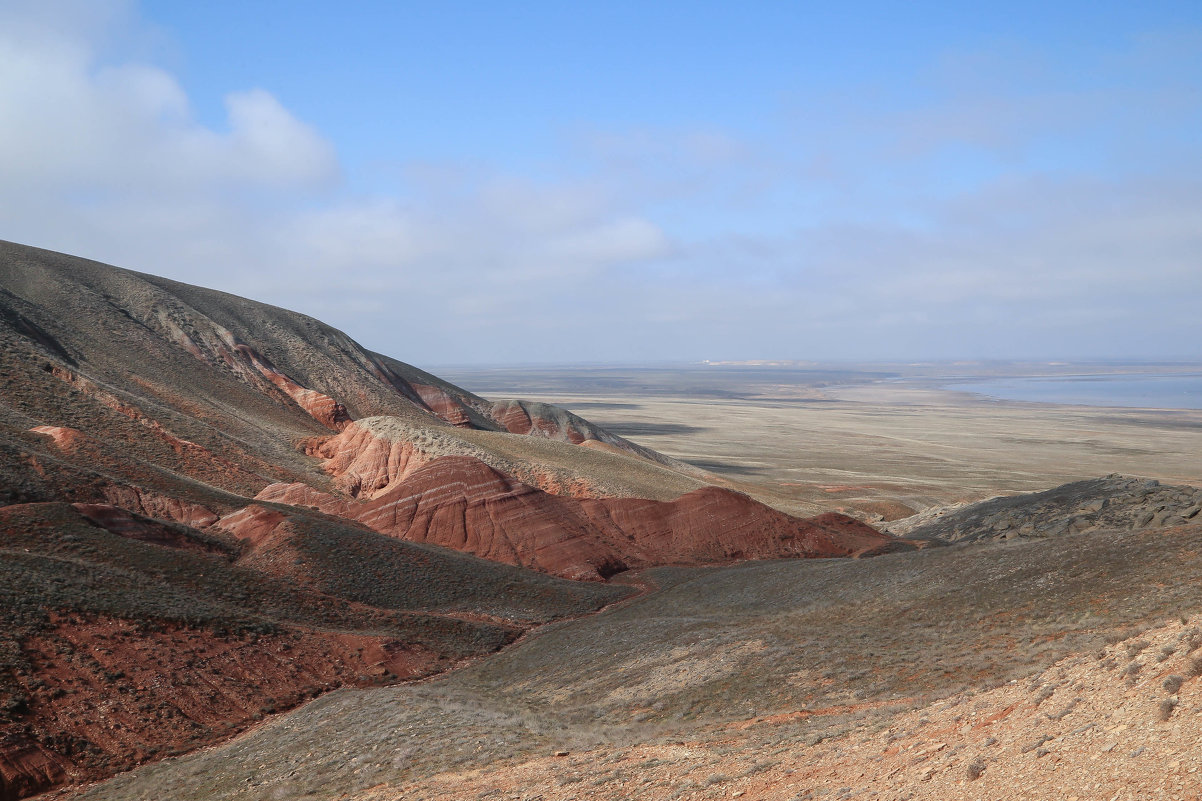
(461, 503)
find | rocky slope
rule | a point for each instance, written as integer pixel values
(128, 638)
(1113, 503)
(239, 490)
(1118, 723)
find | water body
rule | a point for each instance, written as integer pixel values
(1153, 391)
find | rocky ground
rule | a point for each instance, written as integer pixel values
(1120, 722)
(1113, 503)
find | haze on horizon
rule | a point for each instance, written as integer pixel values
(611, 182)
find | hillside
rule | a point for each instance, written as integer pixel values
(890, 677)
(128, 638)
(181, 403)
(1113, 503)
(212, 509)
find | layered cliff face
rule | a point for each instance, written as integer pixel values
(190, 424)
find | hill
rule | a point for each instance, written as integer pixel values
(212, 509)
(180, 403)
(1112, 503)
(976, 670)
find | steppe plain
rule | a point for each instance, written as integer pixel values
(1051, 668)
(884, 440)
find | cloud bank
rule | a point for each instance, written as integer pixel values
(1014, 212)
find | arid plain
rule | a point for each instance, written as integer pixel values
(883, 440)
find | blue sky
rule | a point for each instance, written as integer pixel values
(461, 183)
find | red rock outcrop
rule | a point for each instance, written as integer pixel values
(461, 503)
(27, 767)
(65, 438)
(253, 523)
(218, 344)
(518, 417)
(162, 507)
(322, 408)
(364, 464)
(126, 524)
(303, 495)
(442, 404)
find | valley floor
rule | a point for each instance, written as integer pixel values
(810, 441)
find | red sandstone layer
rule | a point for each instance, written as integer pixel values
(462, 503)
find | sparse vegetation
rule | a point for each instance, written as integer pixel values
(793, 656)
(1191, 638)
(757, 641)
(1045, 692)
(59, 570)
(1135, 647)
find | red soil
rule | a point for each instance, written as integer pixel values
(65, 438)
(117, 695)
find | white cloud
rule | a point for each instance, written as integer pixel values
(68, 122)
(108, 160)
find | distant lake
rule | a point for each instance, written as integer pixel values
(1178, 391)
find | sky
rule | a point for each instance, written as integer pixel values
(481, 183)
